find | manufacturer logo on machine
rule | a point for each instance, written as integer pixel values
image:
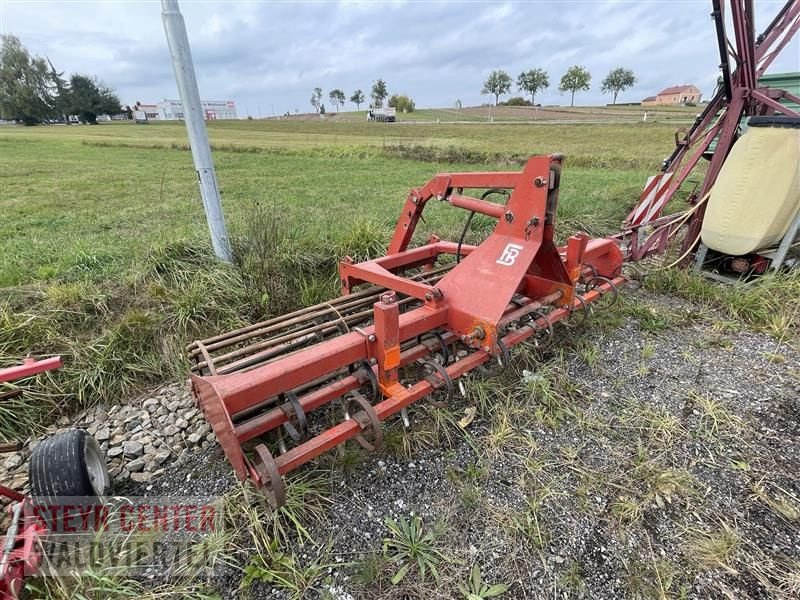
(509, 255)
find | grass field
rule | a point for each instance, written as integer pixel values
(125, 187)
(526, 114)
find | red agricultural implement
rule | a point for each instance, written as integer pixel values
(410, 323)
(429, 315)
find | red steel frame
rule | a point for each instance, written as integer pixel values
(470, 304)
(738, 96)
(22, 557)
(29, 367)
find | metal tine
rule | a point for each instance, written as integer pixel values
(319, 310)
(308, 333)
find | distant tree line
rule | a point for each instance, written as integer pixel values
(32, 90)
(576, 79)
(378, 95)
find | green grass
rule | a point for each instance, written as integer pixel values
(72, 208)
(526, 114)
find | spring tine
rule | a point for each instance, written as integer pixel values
(404, 418)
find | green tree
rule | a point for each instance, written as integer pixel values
(337, 98)
(26, 90)
(379, 93)
(89, 98)
(533, 81)
(576, 79)
(497, 84)
(61, 97)
(402, 103)
(357, 98)
(316, 98)
(618, 80)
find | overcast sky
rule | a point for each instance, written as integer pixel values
(268, 56)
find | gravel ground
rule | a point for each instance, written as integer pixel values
(663, 461)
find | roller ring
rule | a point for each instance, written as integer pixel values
(272, 485)
(212, 370)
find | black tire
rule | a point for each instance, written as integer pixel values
(58, 466)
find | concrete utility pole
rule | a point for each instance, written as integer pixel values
(178, 42)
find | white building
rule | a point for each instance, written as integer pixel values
(172, 110)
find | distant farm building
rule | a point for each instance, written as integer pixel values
(172, 110)
(677, 94)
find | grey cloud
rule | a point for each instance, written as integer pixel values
(272, 54)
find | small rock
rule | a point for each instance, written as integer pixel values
(133, 448)
(194, 438)
(141, 477)
(136, 465)
(170, 430)
(181, 423)
(160, 457)
(103, 434)
(114, 452)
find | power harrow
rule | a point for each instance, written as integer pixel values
(406, 327)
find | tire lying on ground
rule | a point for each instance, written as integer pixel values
(69, 463)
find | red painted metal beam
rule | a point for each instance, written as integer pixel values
(490, 209)
(29, 367)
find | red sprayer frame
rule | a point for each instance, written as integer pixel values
(743, 60)
(480, 303)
